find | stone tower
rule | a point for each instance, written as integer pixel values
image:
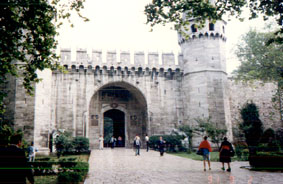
(205, 78)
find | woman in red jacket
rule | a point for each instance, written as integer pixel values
(206, 149)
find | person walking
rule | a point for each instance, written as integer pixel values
(206, 149)
(147, 142)
(112, 142)
(31, 152)
(101, 142)
(13, 163)
(225, 151)
(137, 144)
(161, 145)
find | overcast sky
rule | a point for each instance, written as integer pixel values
(120, 24)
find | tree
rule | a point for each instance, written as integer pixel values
(27, 38)
(211, 129)
(261, 62)
(180, 12)
(251, 126)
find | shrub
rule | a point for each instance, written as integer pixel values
(241, 150)
(173, 142)
(69, 177)
(80, 144)
(67, 145)
(251, 126)
(268, 136)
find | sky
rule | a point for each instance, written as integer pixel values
(120, 25)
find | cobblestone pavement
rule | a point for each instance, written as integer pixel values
(121, 166)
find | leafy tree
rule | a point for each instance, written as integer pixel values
(63, 143)
(188, 130)
(80, 144)
(27, 38)
(180, 12)
(261, 62)
(212, 130)
(251, 126)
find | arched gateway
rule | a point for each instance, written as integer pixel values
(118, 109)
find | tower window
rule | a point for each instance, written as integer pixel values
(211, 27)
(223, 29)
(194, 28)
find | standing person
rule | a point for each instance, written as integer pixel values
(206, 148)
(15, 168)
(224, 153)
(137, 144)
(112, 142)
(31, 152)
(101, 142)
(147, 142)
(119, 141)
(161, 145)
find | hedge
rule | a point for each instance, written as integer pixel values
(173, 142)
(67, 171)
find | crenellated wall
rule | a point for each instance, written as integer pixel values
(121, 59)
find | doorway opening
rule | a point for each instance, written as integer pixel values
(114, 125)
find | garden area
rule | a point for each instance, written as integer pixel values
(69, 164)
(263, 148)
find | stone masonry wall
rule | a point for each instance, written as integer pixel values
(261, 95)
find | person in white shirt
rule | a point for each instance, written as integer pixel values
(147, 142)
(137, 144)
(101, 141)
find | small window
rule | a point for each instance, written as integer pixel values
(211, 27)
(194, 28)
(223, 29)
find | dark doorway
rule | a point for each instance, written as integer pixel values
(114, 124)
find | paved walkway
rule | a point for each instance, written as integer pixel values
(121, 166)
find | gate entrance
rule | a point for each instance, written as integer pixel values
(117, 109)
(114, 125)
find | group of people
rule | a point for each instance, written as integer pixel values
(112, 142)
(137, 144)
(225, 152)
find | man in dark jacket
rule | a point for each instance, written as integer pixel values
(161, 145)
(13, 163)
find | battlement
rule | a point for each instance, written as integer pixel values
(199, 35)
(123, 59)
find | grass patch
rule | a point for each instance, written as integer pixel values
(214, 156)
(52, 179)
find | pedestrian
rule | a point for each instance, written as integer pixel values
(225, 151)
(101, 142)
(120, 141)
(206, 149)
(147, 142)
(112, 142)
(31, 152)
(161, 145)
(137, 144)
(13, 163)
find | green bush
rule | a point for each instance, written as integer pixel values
(241, 150)
(73, 172)
(68, 145)
(43, 168)
(80, 144)
(69, 177)
(173, 142)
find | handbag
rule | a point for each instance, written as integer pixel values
(232, 153)
(200, 152)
